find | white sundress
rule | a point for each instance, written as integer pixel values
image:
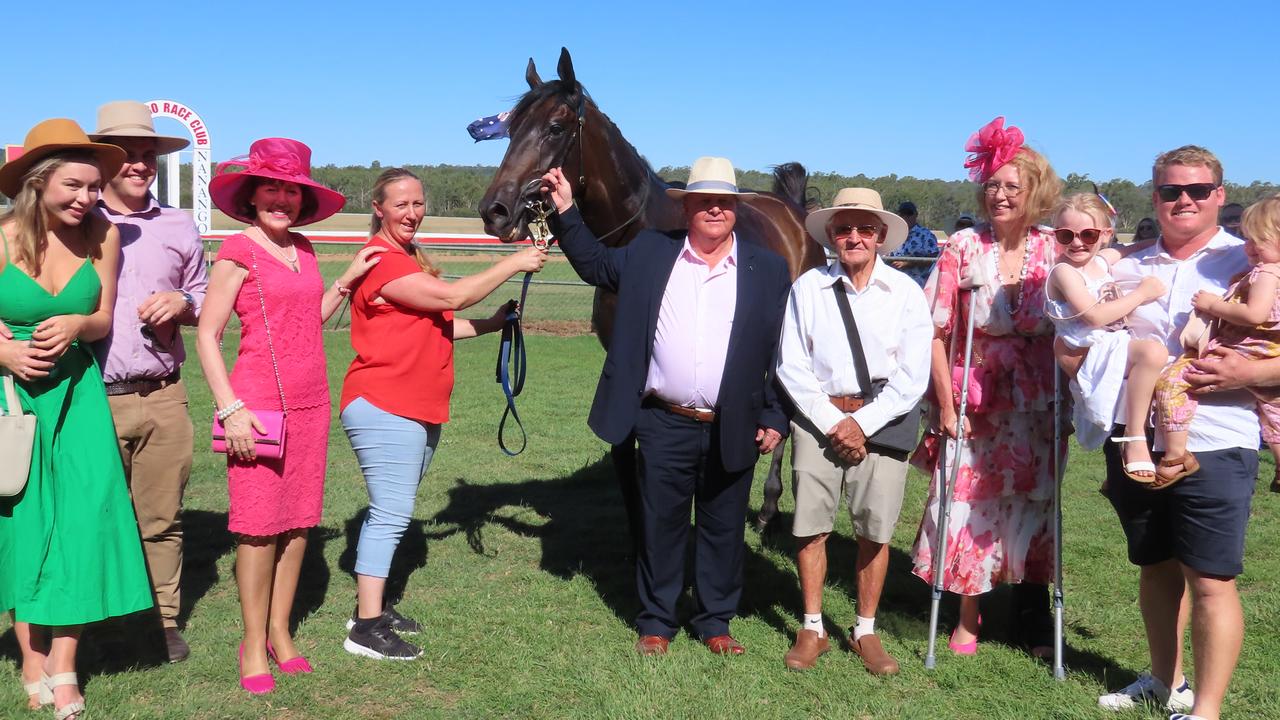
(1097, 389)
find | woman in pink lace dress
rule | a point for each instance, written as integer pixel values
(1000, 529)
(269, 277)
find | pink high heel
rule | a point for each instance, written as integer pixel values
(256, 684)
(293, 666)
(969, 648)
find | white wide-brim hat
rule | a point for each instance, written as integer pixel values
(858, 199)
(710, 176)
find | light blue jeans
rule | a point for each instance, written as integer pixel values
(394, 453)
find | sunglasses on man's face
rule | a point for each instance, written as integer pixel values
(1088, 236)
(866, 232)
(1195, 191)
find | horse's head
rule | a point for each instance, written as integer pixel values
(546, 130)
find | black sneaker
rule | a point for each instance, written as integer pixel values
(380, 642)
(401, 624)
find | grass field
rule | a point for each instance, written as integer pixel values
(518, 568)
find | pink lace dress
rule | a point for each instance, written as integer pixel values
(1000, 529)
(269, 497)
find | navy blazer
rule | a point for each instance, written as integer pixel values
(638, 272)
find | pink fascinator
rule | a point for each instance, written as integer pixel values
(992, 146)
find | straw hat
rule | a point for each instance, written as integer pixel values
(710, 176)
(52, 136)
(858, 199)
(132, 119)
(274, 159)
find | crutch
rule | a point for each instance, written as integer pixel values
(947, 485)
(1059, 671)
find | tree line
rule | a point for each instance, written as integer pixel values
(455, 190)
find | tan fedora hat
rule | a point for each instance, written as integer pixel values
(710, 176)
(49, 137)
(132, 119)
(858, 199)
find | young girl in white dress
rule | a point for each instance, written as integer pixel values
(1088, 311)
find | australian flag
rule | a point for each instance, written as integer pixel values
(489, 128)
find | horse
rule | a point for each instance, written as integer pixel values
(556, 124)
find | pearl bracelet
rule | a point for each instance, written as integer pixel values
(230, 410)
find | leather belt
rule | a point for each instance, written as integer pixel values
(699, 415)
(847, 403)
(142, 387)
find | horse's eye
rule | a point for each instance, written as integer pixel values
(556, 130)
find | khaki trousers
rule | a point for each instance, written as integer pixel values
(155, 434)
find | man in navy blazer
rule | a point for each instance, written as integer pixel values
(690, 371)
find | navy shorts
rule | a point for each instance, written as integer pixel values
(1199, 520)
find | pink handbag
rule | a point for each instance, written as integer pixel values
(271, 443)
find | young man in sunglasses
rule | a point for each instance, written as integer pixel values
(1189, 536)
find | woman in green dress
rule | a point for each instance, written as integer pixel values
(69, 547)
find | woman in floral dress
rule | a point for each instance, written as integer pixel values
(1001, 514)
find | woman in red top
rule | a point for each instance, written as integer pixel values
(396, 394)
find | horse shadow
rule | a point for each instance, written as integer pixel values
(411, 554)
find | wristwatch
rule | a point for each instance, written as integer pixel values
(186, 296)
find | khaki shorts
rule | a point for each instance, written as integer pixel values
(873, 489)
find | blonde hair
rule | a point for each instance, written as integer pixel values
(30, 226)
(1190, 155)
(1040, 185)
(1089, 204)
(1261, 221)
(388, 176)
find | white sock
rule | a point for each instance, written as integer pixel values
(814, 622)
(865, 626)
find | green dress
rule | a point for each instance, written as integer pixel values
(69, 547)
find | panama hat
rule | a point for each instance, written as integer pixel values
(275, 159)
(710, 176)
(52, 136)
(132, 119)
(858, 199)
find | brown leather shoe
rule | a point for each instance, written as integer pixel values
(724, 645)
(874, 657)
(652, 645)
(808, 648)
(176, 647)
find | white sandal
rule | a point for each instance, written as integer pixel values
(49, 682)
(36, 689)
(1140, 466)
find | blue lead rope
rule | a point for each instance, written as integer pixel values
(512, 363)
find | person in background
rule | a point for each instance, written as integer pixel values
(1146, 230)
(395, 398)
(270, 278)
(921, 242)
(963, 222)
(1229, 218)
(162, 285)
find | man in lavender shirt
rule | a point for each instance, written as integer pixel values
(162, 285)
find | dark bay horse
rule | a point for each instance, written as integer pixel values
(556, 124)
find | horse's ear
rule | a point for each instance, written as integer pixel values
(531, 76)
(565, 69)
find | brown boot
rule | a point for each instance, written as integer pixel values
(808, 648)
(875, 658)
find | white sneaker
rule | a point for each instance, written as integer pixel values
(1147, 689)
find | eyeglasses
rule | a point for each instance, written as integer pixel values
(1088, 236)
(991, 187)
(866, 232)
(1195, 191)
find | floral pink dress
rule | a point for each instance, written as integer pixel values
(269, 497)
(1001, 512)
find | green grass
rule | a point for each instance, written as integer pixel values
(518, 569)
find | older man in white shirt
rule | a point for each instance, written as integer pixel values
(840, 407)
(1190, 535)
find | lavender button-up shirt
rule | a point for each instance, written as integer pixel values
(161, 251)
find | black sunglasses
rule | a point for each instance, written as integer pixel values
(1195, 191)
(1088, 236)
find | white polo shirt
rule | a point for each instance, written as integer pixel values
(1223, 419)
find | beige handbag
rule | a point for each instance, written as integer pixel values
(17, 437)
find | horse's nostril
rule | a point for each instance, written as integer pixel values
(496, 212)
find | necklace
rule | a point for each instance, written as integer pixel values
(278, 251)
(1022, 275)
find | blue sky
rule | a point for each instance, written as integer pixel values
(846, 87)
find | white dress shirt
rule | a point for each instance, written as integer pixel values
(814, 359)
(694, 322)
(1223, 419)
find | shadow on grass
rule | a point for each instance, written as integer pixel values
(410, 555)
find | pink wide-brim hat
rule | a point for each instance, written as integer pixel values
(275, 159)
